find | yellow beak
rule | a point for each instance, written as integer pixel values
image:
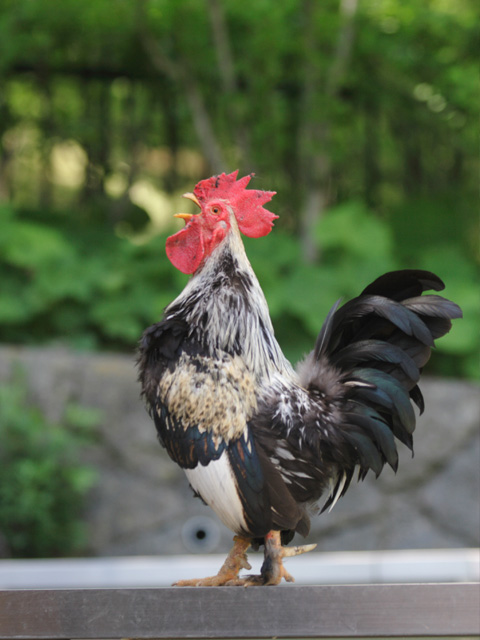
(187, 216)
(193, 198)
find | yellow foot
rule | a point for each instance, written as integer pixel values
(211, 581)
(271, 573)
(228, 574)
(272, 570)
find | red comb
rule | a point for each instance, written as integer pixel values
(252, 219)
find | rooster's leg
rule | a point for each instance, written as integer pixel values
(272, 570)
(228, 574)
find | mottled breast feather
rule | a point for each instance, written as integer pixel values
(202, 405)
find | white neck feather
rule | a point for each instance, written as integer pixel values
(214, 301)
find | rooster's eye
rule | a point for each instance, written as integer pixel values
(215, 210)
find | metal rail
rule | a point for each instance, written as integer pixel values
(342, 611)
(348, 567)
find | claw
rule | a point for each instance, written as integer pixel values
(288, 552)
(271, 573)
(272, 570)
(228, 574)
(244, 564)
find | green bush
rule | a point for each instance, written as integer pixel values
(67, 279)
(74, 280)
(357, 247)
(43, 484)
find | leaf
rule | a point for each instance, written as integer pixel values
(26, 244)
(42, 482)
(354, 229)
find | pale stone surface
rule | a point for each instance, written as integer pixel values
(142, 503)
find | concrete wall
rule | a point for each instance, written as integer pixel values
(142, 503)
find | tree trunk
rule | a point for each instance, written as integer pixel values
(315, 137)
(48, 132)
(95, 113)
(178, 72)
(371, 147)
(228, 76)
(5, 154)
(167, 100)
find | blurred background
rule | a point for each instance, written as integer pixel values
(361, 114)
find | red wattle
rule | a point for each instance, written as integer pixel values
(186, 249)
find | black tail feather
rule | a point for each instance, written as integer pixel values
(403, 284)
(325, 332)
(372, 423)
(379, 343)
(417, 397)
(370, 351)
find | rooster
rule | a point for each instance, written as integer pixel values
(260, 442)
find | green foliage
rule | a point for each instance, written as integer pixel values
(78, 284)
(460, 349)
(43, 484)
(357, 248)
(387, 131)
(91, 289)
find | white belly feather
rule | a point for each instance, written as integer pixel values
(217, 486)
